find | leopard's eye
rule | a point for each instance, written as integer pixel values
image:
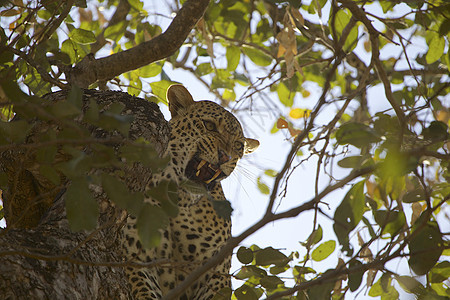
(209, 125)
(238, 145)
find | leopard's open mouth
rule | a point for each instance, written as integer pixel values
(202, 171)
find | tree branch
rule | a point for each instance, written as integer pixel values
(268, 218)
(359, 14)
(90, 70)
(119, 15)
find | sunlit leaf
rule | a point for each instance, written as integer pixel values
(150, 70)
(115, 31)
(440, 272)
(436, 46)
(233, 56)
(82, 36)
(285, 95)
(314, 237)
(323, 250)
(263, 188)
(257, 56)
(297, 113)
(203, 69)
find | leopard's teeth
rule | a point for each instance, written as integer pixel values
(200, 165)
(198, 173)
(214, 177)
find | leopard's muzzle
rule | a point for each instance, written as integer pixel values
(200, 170)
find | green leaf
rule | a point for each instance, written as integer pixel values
(223, 294)
(82, 36)
(116, 31)
(355, 278)
(143, 152)
(351, 162)
(250, 271)
(314, 237)
(342, 18)
(384, 288)
(424, 247)
(229, 95)
(285, 95)
(440, 272)
(410, 285)
(15, 131)
(271, 173)
(65, 109)
(136, 4)
(349, 213)
(415, 195)
(269, 256)
(321, 291)
(246, 292)
(223, 208)
(75, 97)
(245, 255)
(436, 46)
(437, 131)
(271, 282)
(159, 89)
(257, 56)
(203, 69)
(356, 134)
(82, 209)
(50, 173)
(323, 250)
(166, 194)
(69, 48)
(392, 221)
(397, 164)
(149, 222)
(263, 188)
(150, 70)
(118, 192)
(233, 56)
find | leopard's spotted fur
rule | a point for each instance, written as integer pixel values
(205, 137)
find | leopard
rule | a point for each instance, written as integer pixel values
(206, 142)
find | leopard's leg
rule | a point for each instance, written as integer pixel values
(144, 281)
(213, 282)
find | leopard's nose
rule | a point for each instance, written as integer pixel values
(223, 157)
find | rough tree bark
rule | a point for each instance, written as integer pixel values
(40, 257)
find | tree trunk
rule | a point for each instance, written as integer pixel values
(40, 257)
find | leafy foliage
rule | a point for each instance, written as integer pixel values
(381, 118)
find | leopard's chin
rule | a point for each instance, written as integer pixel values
(199, 170)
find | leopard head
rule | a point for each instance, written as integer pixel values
(206, 140)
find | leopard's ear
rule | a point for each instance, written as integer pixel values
(250, 145)
(179, 100)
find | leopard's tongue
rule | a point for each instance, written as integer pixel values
(207, 172)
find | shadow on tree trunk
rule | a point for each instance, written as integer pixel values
(40, 256)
